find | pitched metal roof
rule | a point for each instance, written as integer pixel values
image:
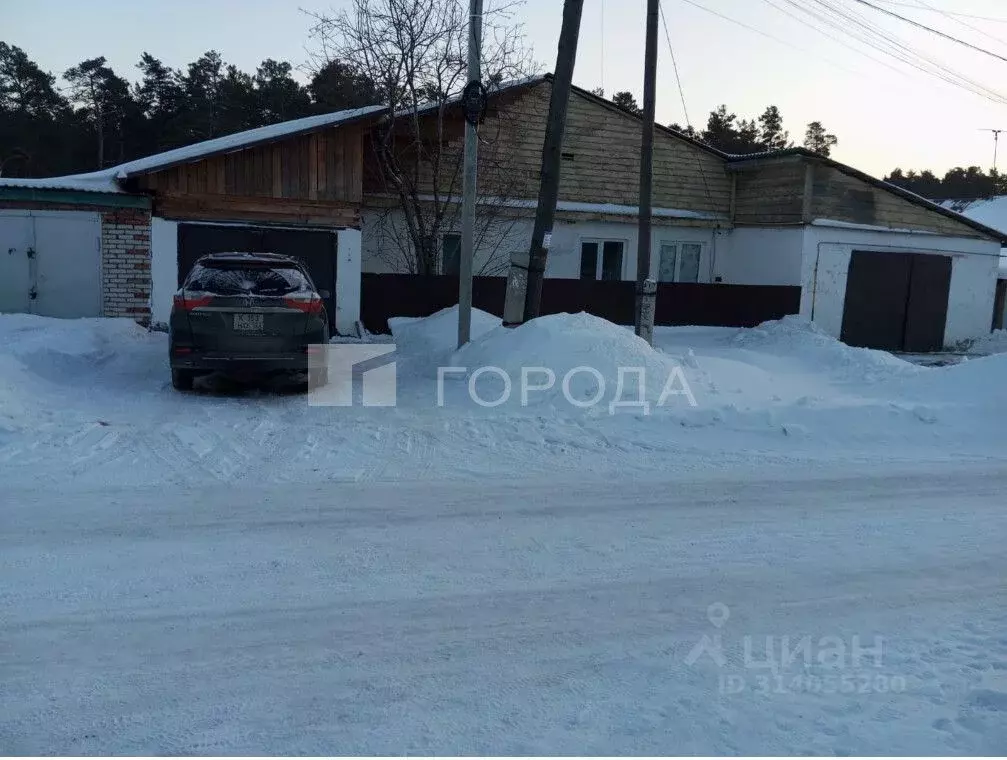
(107, 180)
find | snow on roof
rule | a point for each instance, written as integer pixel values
(96, 182)
(105, 181)
(989, 211)
(239, 140)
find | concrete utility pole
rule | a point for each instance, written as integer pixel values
(548, 194)
(646, 288)
(470, 176)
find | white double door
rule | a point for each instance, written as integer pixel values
(50, 263)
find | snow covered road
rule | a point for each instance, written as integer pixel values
(537, 618)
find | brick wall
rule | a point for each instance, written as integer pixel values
(125, 264)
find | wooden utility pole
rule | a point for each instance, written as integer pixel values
(548, 194)
(646, 289)
(470, 178)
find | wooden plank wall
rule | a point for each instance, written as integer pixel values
(601, 161)
(849, 199)
(770, 194)
(315, 178)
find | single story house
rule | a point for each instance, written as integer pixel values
(117, 242)
(876, 265)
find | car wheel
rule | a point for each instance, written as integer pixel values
(181, 379)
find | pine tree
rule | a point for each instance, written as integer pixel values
(280, 97)
(337, 87)
(817, 140)
(772, 135)
(626, 100)
(201, 86)
(105, 102)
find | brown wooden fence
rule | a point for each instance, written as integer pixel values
(407, 295)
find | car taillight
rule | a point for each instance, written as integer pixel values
(308, 304)
(187, 302)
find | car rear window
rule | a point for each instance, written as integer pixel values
(247, 280)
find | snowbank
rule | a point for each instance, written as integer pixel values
(796, 335)
(438, 333)
(559, 346)
(90, 400)
(994, 343)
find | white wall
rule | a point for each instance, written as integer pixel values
(759, 256)
(384, 233)
(17, 235)
(66, 270)
(827, 253)
(347, 281)
(163, 268)
(564, 255)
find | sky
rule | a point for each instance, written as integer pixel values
(884, 113)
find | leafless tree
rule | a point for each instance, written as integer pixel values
(415, 51)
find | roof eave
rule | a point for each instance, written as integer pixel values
(74, 197)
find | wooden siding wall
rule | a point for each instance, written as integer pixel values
(771, 194)
(315, 178)
(601, 161)
(848, 199)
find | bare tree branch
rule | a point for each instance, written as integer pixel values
(415, 50)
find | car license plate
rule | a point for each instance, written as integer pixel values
(248, 322)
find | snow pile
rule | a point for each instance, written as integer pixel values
(796, 335)
(994, 343)
(977, 382)
(62, 350)
(582, 352)
(48, 364)
(437, 334)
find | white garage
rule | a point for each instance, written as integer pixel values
(51, 263)
(74, 247)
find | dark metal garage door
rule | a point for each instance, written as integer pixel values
(896, 301)
(316, 248)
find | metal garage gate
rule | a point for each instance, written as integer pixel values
(896, 301)
(316, 248)
(50, 263)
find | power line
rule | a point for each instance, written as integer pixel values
(861, 29)
(762, 33)
(904, 52)
(681, 94)
(930, 29)
(934, 66)
(966, 24)
(835, 39)
(674, 66)
(946, 13)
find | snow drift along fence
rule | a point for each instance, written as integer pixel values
(408, 295)
(385, 296)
